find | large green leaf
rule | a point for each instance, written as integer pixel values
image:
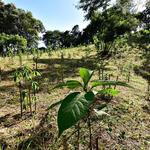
(73, 108)
(106, 82)
(70, 84)
(85, 75)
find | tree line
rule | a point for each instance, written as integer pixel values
(20, 30)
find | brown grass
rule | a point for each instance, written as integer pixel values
(129, 111)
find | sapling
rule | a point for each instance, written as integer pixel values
(35, 87)
(117, 78)
(101, 67)
(78, 104)
(25, 98)
(10, 54)
(35, 59)
(49, 50)
(62, 57)
(29, 95)
(128, 68)
(20, 57)
(37, 55)
(17, 76)
(25, 75)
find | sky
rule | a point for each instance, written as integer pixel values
(55, 14)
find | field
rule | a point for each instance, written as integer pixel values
(126, 128)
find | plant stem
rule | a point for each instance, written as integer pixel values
(109, 80)
(30, 101)
(20, 92)
(116, 80)
(102, 74)
(78, 139)
(129, 77)
(35, 100)
(99, 73)
(90, 130)
(97, 148)
(36, 64)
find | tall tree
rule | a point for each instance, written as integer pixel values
(91, 6)
(53, 38)
(144, 16)
(17, 21)
(13, 43)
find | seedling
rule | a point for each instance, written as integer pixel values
(128, 67)
(25, 76)
(20, 57)
(101, 67)
(77, 104)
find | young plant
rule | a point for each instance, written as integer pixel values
(20, 57)
(37, 54)
(101, 67)
(24, 76)
(17, 76)
(35, 87)
(77, 104)
(128, 69)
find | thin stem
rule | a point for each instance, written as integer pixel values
(129, 77)
(99, 73)
(78, 137)
(116, 80)
(36, 63)
(30, 101)
(97, 147)
(20, 91)
(102, 74)
(35, 100)
(90, 130)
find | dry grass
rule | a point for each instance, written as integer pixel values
(127, 128)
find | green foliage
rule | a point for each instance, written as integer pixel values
(17, 21)
(24, 75)
(86, 76)
(12, 43)
(91, 6)
(144, 16)
(57, 39)
(69, 84)
(73, 108)
(108, 91)
(25, 72)
(112, 24)
(77, 104)
(106, 82)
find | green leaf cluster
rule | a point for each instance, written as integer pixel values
(76, 105)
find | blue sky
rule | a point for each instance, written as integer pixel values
(55, 14)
